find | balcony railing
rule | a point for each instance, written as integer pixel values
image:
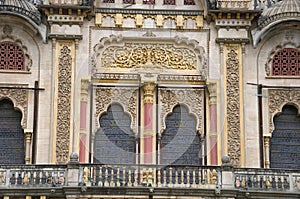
(242, 4)
(62, 2)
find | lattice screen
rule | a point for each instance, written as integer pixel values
(286, 62)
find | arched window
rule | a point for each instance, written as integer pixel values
(11, 57)
(285, 141)
(286, 62)
(114, 141)
(12, 149)
(180, 143)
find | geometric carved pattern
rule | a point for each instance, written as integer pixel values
(277, 99)
(129, 1)
(149, 2)
(160, 55)
(286, 62)
(233, 105)
(11, 56)
(126, 96)
(63, 104)
(20, 100)
(108, 1)
(192, 98)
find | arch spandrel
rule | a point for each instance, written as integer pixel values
(127, 97)
(19, 97)
(139, 54)
(278, 98)
(171, 97)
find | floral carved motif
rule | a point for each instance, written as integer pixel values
(233, 106)
(127, 97)
(170, 97)
(137, 55)
(64, 104)
(20, 100)
(277, 99)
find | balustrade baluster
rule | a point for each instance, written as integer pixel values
(158, 184)
(106, 183)
(135, 177)
(129, 178)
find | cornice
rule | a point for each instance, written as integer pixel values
(148, 11)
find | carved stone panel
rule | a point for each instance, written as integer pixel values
(64, 90)
(192, 98)
(126, 96)
(278, 98)
(20, 100)
(116, 52)
(233, 105)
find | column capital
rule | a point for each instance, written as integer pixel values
(212, 89)
(149, 88)
(267, 141)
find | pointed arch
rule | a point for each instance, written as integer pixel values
(284, 144)
(114, 141)
(12, 148)
(180, 142)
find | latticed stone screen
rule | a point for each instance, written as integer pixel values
(11, 57)
(129, 1)
(108, 1)
(286, 62)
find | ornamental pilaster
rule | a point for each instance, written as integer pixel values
(28, 136)
(267, 151)
(149, 92)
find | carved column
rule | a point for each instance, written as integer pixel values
(64, 91)
(148, 121)
(267, 151)
(234, 103)
(213, 148)
(28, 135)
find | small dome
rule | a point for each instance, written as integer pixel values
(279, 10)
(21, 7)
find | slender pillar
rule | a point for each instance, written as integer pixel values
(28, 134)
(213, 147)
(148, 121)
(267, 151)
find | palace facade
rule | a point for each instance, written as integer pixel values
(149, 99)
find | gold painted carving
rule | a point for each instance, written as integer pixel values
(20, 99)
(233, 105)
(149, 93)
(138, 55)
(127, 97)
(63, 104)
(277, 99)
(170, 97)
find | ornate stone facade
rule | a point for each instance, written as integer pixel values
(277, 99)
(125, 96)
(64, 95)
(233, 104)
(20, 99)
(170, 97)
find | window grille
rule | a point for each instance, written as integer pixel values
(286, 62)
(11, 57)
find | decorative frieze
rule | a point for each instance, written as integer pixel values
(64, 99)
(192, 98)
(20, 99)
(277, 99)
(116, 52)
(126, 96)
(233, 103)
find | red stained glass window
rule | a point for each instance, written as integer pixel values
(11, 57)
(286, 62)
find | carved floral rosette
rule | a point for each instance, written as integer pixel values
(170, 97)
(116, 52)
(126, 96)
(20, 99)
(277, 99)
(233, 105)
